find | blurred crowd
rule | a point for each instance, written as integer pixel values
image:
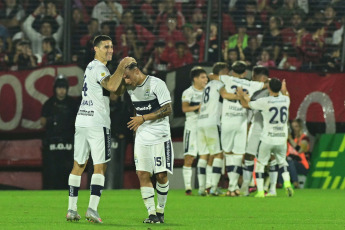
(304, 35)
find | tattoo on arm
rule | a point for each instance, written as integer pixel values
(164, 111)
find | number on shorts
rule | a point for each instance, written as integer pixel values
(283, 114)
(158, 161)
(206, 95)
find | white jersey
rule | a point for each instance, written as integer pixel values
(257, 119)
(233, 112)
(148, 97)
(94, 108)
(211, 104)
(275, 111)
(193, 97)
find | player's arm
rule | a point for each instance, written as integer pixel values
(284, 90)
(115, 82)
(164, 111)
(243, 97)
(186, 107)
(228, 96)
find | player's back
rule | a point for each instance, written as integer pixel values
(257, 119)
(233, 111)
(193, 97)
(275, 112)
(94, 108)
(211, 104)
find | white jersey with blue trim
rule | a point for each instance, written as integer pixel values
(147, 98)
(275, 111)
(211, 104)
(193, 97)
(233, 112)
(94, 108)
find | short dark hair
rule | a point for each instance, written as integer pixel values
(50, 40)
(196, 71)
(132, 66)
(261, 70)
(97, 41)
(275, 85)
(219, 66)
(239, 67)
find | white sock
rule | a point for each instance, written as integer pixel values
(96, 187)
(148, 195)
(162, 195)
(216, 172)
(247, 175)
(259, 172)
(233, 167)
(208, 176)
(187, 177)
(202, 173)
(273, 173)
(286, 176)
(74, 185)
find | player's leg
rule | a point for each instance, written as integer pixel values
(209, 173)
(165, 153)
(216, 173)
(190, 151)
(81, 155)
(234, 170)
(263, 157)
(273, 175)
(99, 141)
(280, 154)
(202, 164)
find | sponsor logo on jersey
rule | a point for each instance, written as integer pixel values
(147, 93)
(149, 107)
(102, 74)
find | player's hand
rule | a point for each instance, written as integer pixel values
(240, 91)
(135, 123)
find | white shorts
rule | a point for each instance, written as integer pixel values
(209, 140)
(154, 158)
(265, 151)
(234, 137)
(253, 143)
(190, 141)
(96, 139)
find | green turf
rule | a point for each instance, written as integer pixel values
(124, 209)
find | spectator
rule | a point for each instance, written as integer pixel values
(168, 9)
(289, 59)
(298, 153)
(11, 16)
(287, 11)
(213, 49)
(231, 56)
(51, 56)
(265, 59)
(92, 29)
(241, 38)
(7, 42)
(46, 27)
(338, 34)
(228, 24)
(148, 15)
(311, 46)
(197, 19)
(331, 25)
(142, 33)
(4, 60)
(24, 58)
(254, 28)
(272, 38)
(129, 41)
(108, 10)
(289, 34)
(181, 56)
(159, 59)
(194, 41)
(252, 52)
(78, 30)
(108, 28)
(172, 34)
(331, 60)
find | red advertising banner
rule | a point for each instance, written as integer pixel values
(22, 94)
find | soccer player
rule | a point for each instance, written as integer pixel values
(275, 112)
(234, 123)
(153, 151)
(191, 98)
(93, 127)
(260, 74)
(209, 126)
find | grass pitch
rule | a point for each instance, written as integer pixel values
(124, 209)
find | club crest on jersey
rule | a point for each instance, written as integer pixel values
(102, 74)
(147, 93)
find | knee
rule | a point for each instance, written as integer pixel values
(162, 178)
(188, 161)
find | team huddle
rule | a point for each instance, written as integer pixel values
(216, 128)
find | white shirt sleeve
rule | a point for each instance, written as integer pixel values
(101, 72)
(187, 96)
(162, 93)
(259, 104)
(255, 85)
(220, 85)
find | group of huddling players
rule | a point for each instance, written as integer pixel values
(218, 114)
